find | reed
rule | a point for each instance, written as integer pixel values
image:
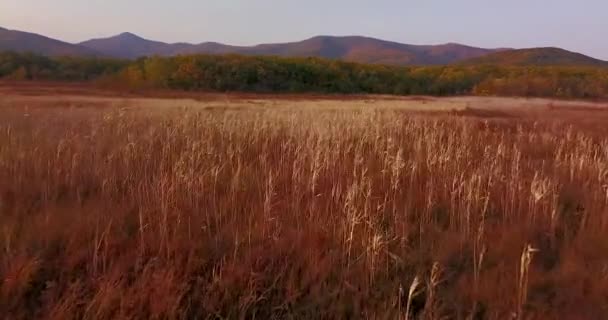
(280, 212)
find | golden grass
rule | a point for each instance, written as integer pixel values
(278, 211)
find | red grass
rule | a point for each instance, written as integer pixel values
(284, 213)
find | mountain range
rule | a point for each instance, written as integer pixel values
(20, 41)
(538, 57)
(351, 48)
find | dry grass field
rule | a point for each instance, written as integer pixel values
(243, 208)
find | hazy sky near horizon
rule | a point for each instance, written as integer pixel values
(580, 26)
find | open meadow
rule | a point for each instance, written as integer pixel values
(281, 207)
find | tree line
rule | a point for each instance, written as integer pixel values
(299, 75)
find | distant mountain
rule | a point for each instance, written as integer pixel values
(128, 45)
(537, 57)
(19, 41)
(352, 48)
(370, 50)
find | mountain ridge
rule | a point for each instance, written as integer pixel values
(352, 48)
(21, 41)
(540, 56)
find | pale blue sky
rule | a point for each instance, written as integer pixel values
(578, 25)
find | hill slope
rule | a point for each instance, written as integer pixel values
(537, 57)
(352, 48)
(370, 50)
(128, 45)
(19, 41)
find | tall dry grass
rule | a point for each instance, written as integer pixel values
(285, 213)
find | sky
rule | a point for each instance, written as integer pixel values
(580, 26)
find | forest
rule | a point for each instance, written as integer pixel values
(237, 73)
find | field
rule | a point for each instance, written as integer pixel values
(282, 207)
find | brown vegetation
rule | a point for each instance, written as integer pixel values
(281, 212)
